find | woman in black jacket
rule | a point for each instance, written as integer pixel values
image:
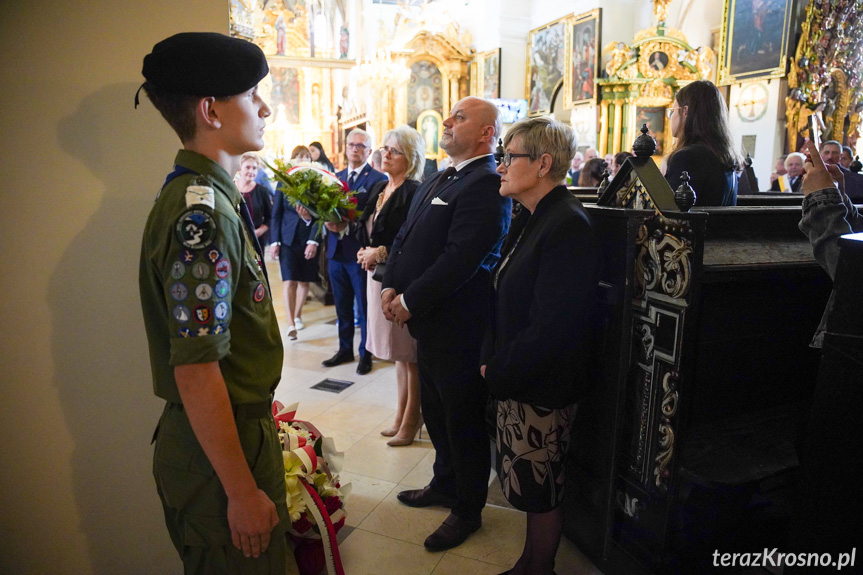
(403, 159)
(703, 147)
(534, 355)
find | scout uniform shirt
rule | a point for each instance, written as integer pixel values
(204, 294)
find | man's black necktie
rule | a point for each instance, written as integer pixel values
(447, 173)
(352, 179)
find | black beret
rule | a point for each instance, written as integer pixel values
(205, 64)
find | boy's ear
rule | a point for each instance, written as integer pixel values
(206, 113)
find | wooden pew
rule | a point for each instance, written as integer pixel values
(687, 442)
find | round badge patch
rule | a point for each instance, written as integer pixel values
(222, 288)
(178, 270)
(181, 313)
(204, 292)
(219, 328)
(179, 291)
(201, 270)
(221, 310)
(186, 332)
(202, 314)
(260, 292)
(223, 268)
(196, 229)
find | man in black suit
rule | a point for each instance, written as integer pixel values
(831, 153)
(793, 173)
(438, 282)
(346, 276)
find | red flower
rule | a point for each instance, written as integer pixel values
(302, 524)
(332, 504)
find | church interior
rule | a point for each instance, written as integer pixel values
(690, 443)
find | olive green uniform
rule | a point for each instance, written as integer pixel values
(205, 298)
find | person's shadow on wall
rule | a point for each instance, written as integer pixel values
(98, 341)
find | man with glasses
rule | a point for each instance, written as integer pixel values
(831, 153)
(347, 277)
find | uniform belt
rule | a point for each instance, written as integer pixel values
(247, 411)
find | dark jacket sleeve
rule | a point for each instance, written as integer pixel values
(478, 224)
(564, 292)
(276, 218)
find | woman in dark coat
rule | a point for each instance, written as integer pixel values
(703, 147)
(534, 355)
(257, 197)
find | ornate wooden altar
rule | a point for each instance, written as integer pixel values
(686, 444)
(642, 79)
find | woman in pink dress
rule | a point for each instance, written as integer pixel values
(386, 210)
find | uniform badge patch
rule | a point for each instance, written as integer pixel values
(178, 270)
(181, 313)
(223, 268)
(221, 310)
(204, 292)
(202, 314)
(196, 229)
(202, 331)
(188, 256)
(186, 332)
(213, 254)
(219, 328)
(179, 291)
(222, 288)
(198, 194)
(260, 292)
(201, 270)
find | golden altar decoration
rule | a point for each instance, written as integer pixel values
(826, 73)
(642, 79)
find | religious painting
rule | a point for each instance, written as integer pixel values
(754, 41)
(425, 89)
(583, 44)
(242, 18)
(285, 91)
(546, 63)
(430, 125)
(654, 117)
(488, 64)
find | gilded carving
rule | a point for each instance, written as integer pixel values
(661, 472)
(663, 260)
(631, 506)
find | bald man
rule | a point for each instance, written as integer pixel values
(438, 283)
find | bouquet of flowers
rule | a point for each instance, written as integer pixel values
(315, 497)
(309, 185)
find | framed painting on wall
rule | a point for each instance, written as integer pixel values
(488, 82)
(583, 40)
(755, 39)
(546, 62)
(430, 125)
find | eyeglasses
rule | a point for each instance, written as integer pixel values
(670, 112)
(357, 146)
(507, 158)
(391, 151)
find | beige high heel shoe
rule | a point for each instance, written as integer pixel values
(398, 441)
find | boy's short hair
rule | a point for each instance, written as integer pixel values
(186, 67)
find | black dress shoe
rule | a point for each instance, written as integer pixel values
(338, 359)
(452, 533)
(365, 364)
(425, 497)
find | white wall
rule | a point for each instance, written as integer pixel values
(80, 169)
(769, 129)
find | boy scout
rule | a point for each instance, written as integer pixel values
(215, 348)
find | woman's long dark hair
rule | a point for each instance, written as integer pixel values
(706, 122)
(323, 159)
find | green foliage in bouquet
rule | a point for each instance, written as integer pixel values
(317, 190)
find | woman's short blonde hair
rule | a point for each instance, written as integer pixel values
(413, 145)
(251, 156)
(546, 136)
